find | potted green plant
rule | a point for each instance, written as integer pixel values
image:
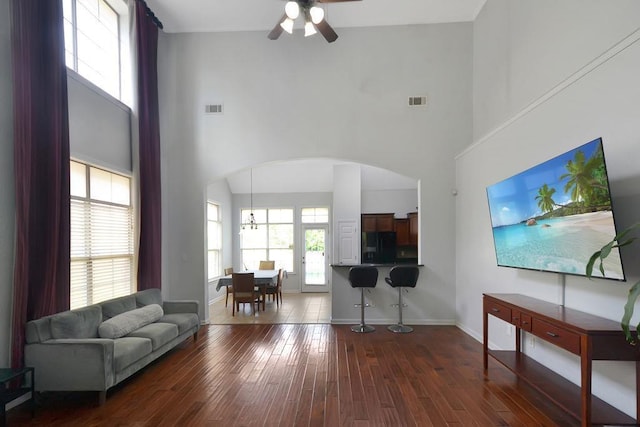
(624, 238)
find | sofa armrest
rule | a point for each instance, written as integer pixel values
(186, 306)
(72, 364)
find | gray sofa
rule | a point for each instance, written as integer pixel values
(96, 347)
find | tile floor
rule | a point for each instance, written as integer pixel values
(295, 308)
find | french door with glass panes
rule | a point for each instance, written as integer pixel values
(315, 259)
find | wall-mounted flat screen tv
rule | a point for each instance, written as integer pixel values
(554, 216)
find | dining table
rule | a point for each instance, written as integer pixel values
(261, 278)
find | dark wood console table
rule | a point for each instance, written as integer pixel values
(590, 337)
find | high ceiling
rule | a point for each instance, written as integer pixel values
(261, 15)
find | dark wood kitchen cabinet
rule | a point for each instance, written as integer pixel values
(402, 232)
(413, 228)
(407, 230)
(378, 222)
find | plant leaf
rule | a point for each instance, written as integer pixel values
(634, 292)
(619, 241)
(606, 249)
(601, 267)
(592, 261)
(626, 242)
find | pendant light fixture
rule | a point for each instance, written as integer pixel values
(252, 220)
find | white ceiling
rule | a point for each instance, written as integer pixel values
(310, 176)
(262, 15)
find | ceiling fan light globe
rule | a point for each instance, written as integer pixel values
(309, 29)
(287, 25)
(292, 9)
(317, 14)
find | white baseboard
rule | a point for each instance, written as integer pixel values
(412, 322)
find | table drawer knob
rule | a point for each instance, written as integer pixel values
(495, 310)
(551, 334)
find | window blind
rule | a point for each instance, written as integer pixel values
(101, 251)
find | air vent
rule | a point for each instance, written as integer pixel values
(213, 109)
(417, 101)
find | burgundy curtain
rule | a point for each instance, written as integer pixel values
(149, 249)
(41, 162)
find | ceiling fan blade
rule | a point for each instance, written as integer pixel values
(325, 29)
(277, 30)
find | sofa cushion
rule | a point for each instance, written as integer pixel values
(113, 307)
(38, 330)
(79, 323)
(184, 321)
(128, 350)
(148, 296)
(124, 323)
(158, 333)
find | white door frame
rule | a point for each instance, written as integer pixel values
(327, 246)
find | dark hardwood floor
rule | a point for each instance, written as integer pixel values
(306, 374)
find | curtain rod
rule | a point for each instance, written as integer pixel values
(152, 15)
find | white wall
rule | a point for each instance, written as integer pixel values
(183, 185)
(7, 200)
(399, 202)
(584, 80)
(529, 47)
(300, 98)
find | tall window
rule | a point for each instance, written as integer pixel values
(214, 241)
(95, 38)
(101, 235)
(272, 240)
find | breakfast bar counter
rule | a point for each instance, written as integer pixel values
(381, 298)
(375, 265)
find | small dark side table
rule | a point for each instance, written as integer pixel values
(8, 394)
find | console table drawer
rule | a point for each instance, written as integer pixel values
(498, 310)
(557, 336)
(525, 322)
(521, 320)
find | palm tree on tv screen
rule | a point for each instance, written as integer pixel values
(545, 198)
(586, 179)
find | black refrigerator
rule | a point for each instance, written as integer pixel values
(378, 247)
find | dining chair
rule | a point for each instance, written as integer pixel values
(267, 265)
(228, 271)
(244, 291)
(276, 291)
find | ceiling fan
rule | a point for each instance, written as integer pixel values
(313, 16)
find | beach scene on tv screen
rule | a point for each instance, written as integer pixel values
(554, 216)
